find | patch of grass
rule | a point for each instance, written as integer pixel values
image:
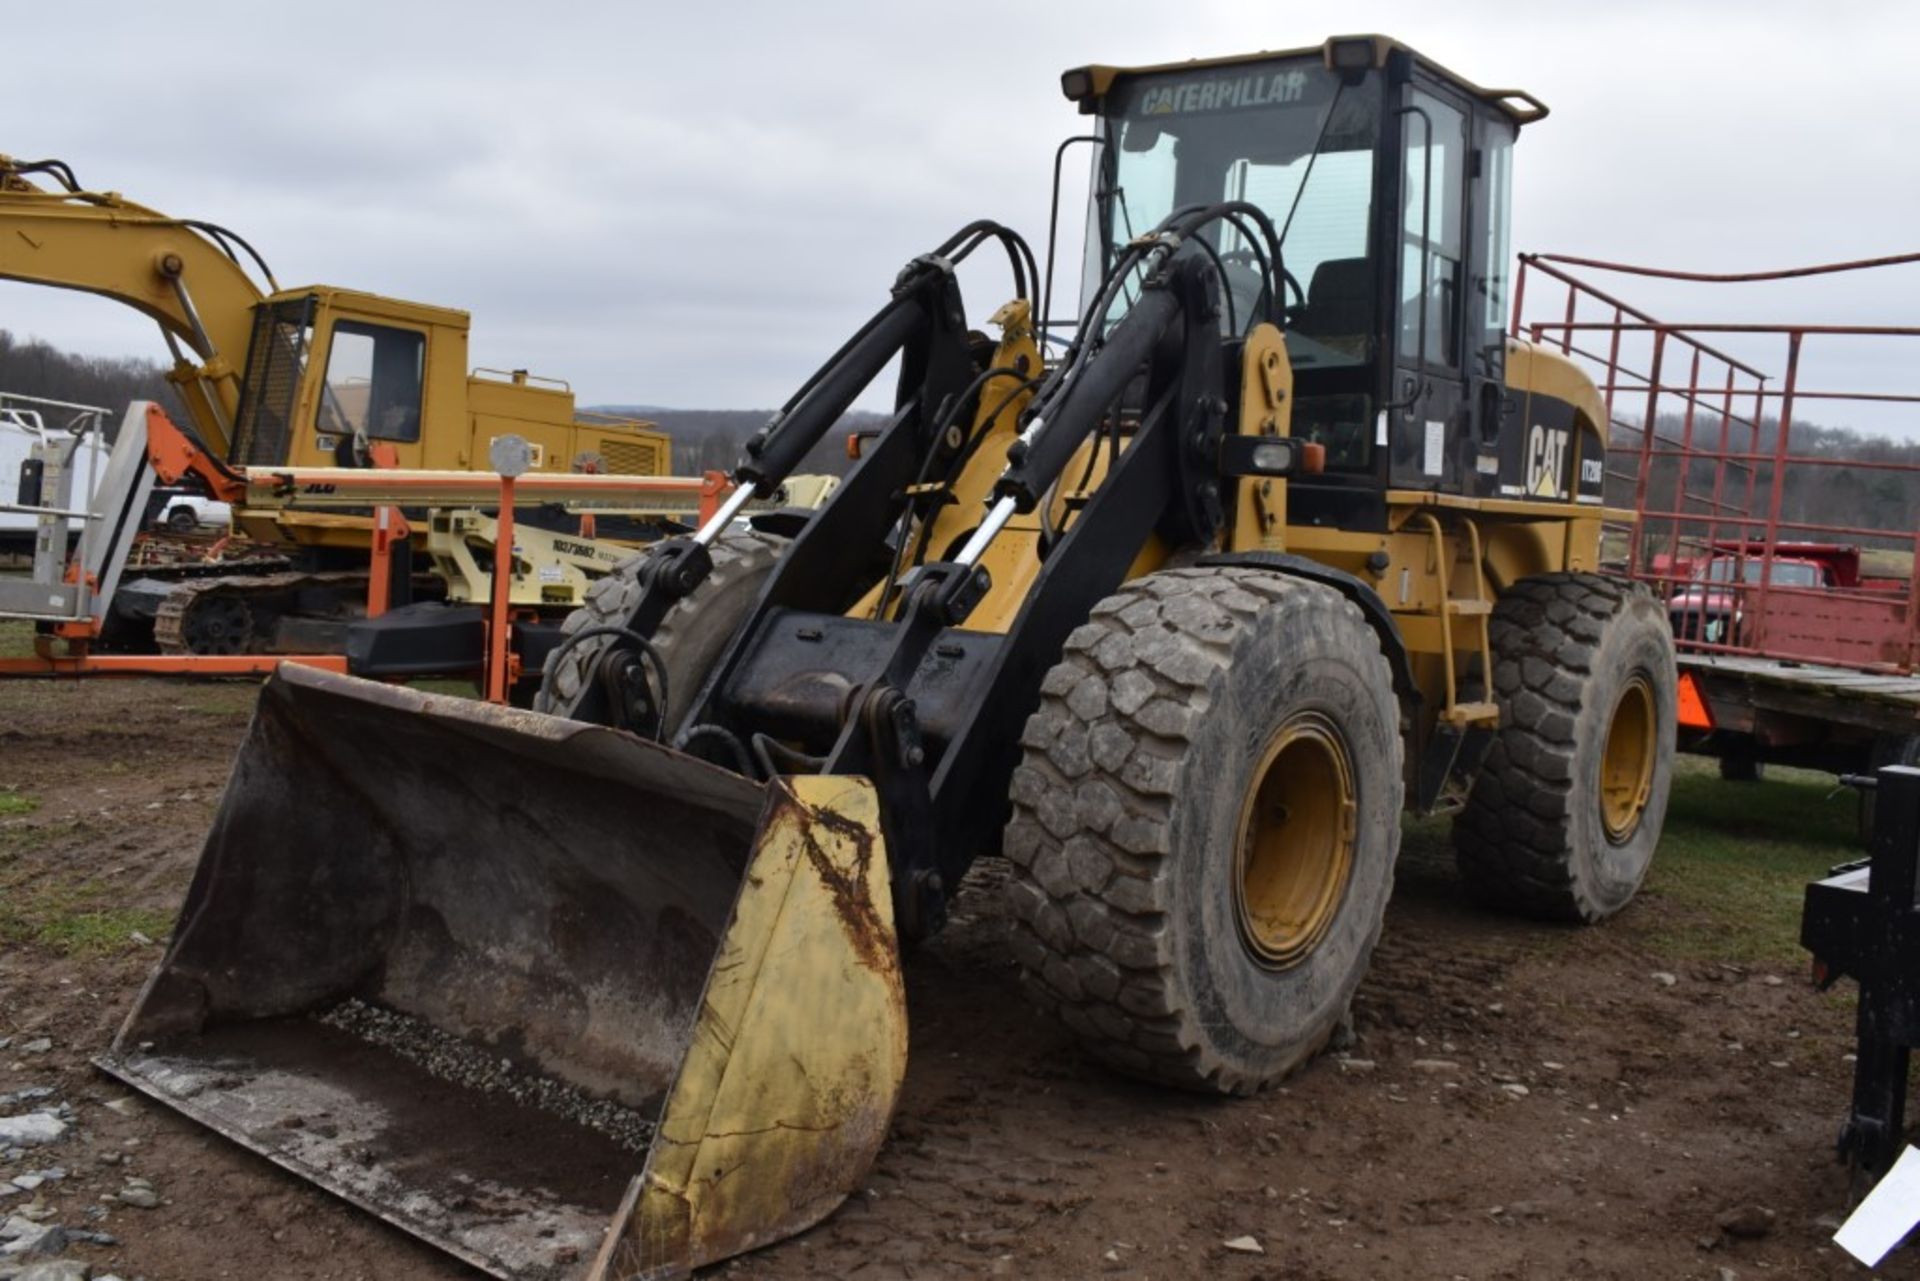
(438, 685)
(97, 933)
(72, 921)
(18, 838)
(1735, 859)
(12, 802)
(1728, 881)
(16, 639)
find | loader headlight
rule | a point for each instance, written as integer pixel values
(1351, 57)
(1273, 457)
(1270, 456)
(1352, 54)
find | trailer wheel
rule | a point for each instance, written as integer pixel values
(690, 637)
(1564, 816)
(1205, 822)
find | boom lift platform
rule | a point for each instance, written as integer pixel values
(72, 597)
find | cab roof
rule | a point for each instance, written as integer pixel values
(1087, 85)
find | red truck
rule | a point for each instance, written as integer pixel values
(1829, 608)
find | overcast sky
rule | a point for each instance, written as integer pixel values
(691, 205)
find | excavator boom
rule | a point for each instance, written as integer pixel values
(165, 268)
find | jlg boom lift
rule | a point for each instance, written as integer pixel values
(1290, 538)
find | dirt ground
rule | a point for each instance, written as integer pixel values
(1519, 1101)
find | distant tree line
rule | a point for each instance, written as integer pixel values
(1817, 493)
(31, 367)
(712, 439)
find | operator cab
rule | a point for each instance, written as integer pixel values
(1389, 180)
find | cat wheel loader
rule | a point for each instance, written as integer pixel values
(1288, 538)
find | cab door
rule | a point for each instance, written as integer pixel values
(1429, 415)
(1498, 414)
(371, 391)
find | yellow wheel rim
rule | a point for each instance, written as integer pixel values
(1626, 764)
(1295, 852)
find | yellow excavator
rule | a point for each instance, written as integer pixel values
(303, 377)
(1288, 537)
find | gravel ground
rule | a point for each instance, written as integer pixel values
(1519, 1101)
(472, 1067)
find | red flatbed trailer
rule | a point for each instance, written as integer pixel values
(1792, 648)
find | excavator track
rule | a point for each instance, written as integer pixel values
(241, 614)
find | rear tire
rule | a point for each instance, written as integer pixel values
(689, 639)
(181, 520)
(1563, 819)
(1205, 823)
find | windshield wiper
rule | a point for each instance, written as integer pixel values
(1319, 140)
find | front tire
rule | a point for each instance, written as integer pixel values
(1563, 820)
(689, 638)
(1205, 823)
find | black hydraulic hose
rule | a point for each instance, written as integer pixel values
(58, 170)
(1236, 213)
(1085, 337)
(1078, 409)
(765, 746)
(221, 236)
(968, 450)
(973, 444)
(1019, 254)
(1017, 249)
(611, 630)
(723, 735)
(1037, 463)
(1226, 294)
(926, 467)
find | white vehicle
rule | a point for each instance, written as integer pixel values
(187, 513)
(27, 422)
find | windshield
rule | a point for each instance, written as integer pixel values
(1786, 573)
(1248, 132)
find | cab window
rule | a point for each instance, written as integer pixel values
(373, 383)
(1432, 237)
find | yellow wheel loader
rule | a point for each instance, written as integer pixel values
(1288, 538)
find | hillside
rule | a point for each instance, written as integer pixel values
(1869, 496)
(30, 367)
(711, 439)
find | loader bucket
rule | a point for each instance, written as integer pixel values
(558, 1000)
